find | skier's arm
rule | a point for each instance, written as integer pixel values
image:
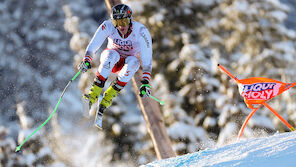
(146, 53)
(96, 42)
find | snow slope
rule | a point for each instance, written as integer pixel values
(278, 150)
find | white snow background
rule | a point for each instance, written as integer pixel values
(278, 150)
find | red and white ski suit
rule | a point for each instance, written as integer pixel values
(122, 54)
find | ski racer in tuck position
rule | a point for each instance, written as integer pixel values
(128, 43)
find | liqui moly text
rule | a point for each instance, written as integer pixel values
(259, 91)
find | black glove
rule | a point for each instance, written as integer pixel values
(145, 89)
(84, 66)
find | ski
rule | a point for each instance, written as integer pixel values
(99, 117)
(98, 111)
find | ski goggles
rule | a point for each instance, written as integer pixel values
(121, 22)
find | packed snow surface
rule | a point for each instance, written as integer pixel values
(278, 150)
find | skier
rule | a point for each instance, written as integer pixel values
(128, 42)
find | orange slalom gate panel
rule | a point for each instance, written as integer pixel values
(256, 91)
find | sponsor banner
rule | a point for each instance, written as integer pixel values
(260, 91)
(257, 90)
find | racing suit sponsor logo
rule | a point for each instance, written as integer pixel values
(144, 36)
(123, 45)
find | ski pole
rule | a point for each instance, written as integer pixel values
(152, 97)
(55, 109)
(160, 102)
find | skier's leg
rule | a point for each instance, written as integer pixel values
(130, 67)
(107, 61)
(95, 90)
(109, 94)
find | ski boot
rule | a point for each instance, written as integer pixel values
(109, 94)
(93, 94)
